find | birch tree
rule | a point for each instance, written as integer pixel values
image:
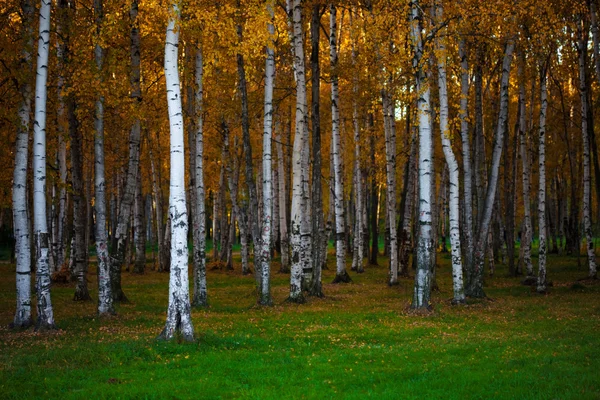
(475, 287)
(318, 222)
(453, 170)
(300, 246)
(265, 251)
(120, 238)
(527, 230)
(541, 281)
(200, 286)
(341, 275)
(179, 319)
(466, 150)
(22, 231)
(390, 155)
(422, 288)
(45, 313)
(587, 218)
(105, 300)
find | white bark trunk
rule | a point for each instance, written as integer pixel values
(341, 275)
(22, 231)
(283, 222)
(200, 286)
(45, 314)
(390, 155)
(541, 281)
(422, 289)
(453, 170)
(179, 318)
(265, 251)
(587, 214)
(466, 151)
(105, 300)
(298, 243)
(527, 230)
(475, 288)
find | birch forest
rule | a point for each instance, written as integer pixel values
(447, 144)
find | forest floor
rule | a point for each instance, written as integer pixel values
(359, 341)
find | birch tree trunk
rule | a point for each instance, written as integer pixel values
(422, 288)
(298, 244)
(120, 239)
(453, 170)
(466, 151)
(265, 251)
(45, 313)
(390, 155)
(283, 222)
(341, 275)
(22, 232)
(527, 234)
(105, 300)
(587, 218)
(318, 225)
(139, 228)
(200, 287)
(475, 287)
(541, 281)
(62, 202)
(179, 319)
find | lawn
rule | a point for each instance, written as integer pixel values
(359, 341)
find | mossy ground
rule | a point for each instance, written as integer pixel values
(359, 341)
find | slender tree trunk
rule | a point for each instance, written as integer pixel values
(390, 155)
(407, 206)
(318, 223)
(45, 313)
(105, 300)
(179, 318)
(300, 245)
(253, 217)
(453, 170)
(587, 218)
(374, 197)
(200, 287)
(541, 281)
(526, 236)
(475, 288)
(283, 222)
(157, 193)
(139, 229)
(120, 239)
(422, 288)
(341, 274)
(22, 232)
(265, 251)
(596, 50)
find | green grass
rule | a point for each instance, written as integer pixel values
(359, 341)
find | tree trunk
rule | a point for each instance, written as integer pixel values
(283, 222)
(422, 288)
(526, 236)
(587, 218)
(453, 170)
(374, 197)
(390, 155)
(120, 239)
(300, 245)
(541, 281)
(139, 228)
(199, 219)
(265, 243)
(318, 223)
(105, 300)
(45, 314)
(341, 275)
(21, 228)
(179, 318)
(475, 288)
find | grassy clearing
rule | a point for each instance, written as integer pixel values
(359, 341)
